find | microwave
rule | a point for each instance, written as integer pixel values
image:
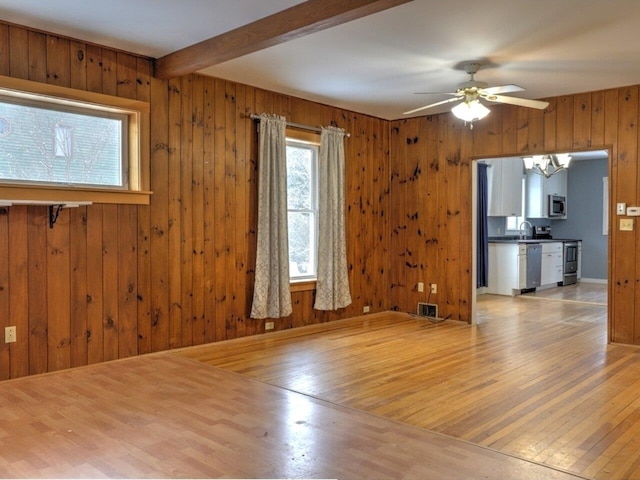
(557, 206)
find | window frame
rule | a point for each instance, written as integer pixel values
(308, 139)
(136, 161)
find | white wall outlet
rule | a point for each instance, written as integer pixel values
(621, 208)
(268, 325)
(626, 224)
(420, 287)
(366, 309)
(434, 288)
(9, 334)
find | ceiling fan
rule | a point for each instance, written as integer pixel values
(469, 93)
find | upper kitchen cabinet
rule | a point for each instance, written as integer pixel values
(538, 190)
(505, 187)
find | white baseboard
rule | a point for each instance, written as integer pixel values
(602, 281)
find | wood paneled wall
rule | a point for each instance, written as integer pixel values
(431, 193)
(111, 281)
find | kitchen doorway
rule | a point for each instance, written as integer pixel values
(516, 207)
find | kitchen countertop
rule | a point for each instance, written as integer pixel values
(517, 239)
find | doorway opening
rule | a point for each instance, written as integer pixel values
(518, 214)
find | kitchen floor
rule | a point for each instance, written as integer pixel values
(594, 293)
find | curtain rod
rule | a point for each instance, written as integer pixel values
(298, 125)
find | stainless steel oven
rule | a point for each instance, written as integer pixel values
(570, 262)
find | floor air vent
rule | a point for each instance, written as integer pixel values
(427, 310)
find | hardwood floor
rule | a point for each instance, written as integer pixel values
(535, 379)
(532, 392)
(166, 416)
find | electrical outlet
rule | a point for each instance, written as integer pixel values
(420, 287)
(366, 309)
(268, 325)
(9, 334)
(434, 288)
(626, 224)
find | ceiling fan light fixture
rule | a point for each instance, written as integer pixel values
(470, 111)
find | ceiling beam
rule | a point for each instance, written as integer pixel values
(294, 22)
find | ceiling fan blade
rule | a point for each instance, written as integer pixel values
(435, 93)
(449, 100)
(521, 102)
(502, 89)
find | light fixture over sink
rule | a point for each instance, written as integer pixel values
(547, 165)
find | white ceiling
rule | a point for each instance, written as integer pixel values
(374, 64)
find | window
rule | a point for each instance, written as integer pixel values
(513, 223)
(63, 145)
(302, 196)
(60, 144)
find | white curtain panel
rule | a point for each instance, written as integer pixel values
(332, 287)
(271, 294)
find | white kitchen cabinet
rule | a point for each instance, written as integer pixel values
(504, 268)
(538, 190)
(551, 267)
(505, 187)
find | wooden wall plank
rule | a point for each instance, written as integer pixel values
(226, 326)
(4, 50)
(203, 97)
(564, 123)
(126, 75)
(243, 123)
(110, 285)
(37, 57)
(95, 326)
(94, 69)
(109, 71)
(143, 92)
(217, 315)
(127, 281)
(18, 261)
(550, 121)
(252, 207)
(159, 220)
(174, 213)
(582, 112)
(78, 286)
(78, 66)
(186, 216)
(536, 130)
(58, 294)
(18, 54)
(58, 61)
(38, 322)
(5, 356)
(596, 135)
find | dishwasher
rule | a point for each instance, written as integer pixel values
(529, 266)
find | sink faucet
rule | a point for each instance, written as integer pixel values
(523, 235)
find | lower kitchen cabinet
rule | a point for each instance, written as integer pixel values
(551, 267)
(504, 268)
